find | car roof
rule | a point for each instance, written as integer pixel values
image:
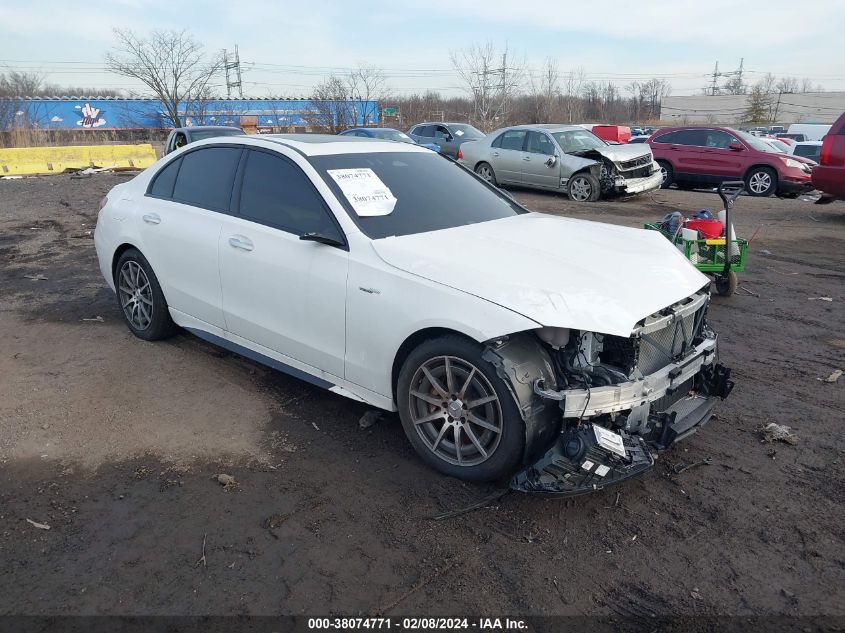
(808, 143)
(320, 144)
(548, 127)
(442, 123)
(214, 128)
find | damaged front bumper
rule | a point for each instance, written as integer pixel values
(652, 414)
(632, 186)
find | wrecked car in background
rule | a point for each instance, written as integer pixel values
(564, 158)
(511, 343)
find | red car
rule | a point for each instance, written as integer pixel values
(696, 156)
(829, 176)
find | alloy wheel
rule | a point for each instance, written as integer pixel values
(581, 189)
(663, 174)
(759, 182)
(455, 411)
(136, 295)
(485, 172)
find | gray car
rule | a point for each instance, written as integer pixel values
(448, 136)
(564, 158)
(181, 136)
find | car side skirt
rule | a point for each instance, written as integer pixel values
(280, 362)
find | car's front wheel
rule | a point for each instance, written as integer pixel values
(583, 187)
(486, 171)
(458, 413)
(140, 298)
(761, 181)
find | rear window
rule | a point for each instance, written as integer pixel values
(431, 192)
(206, 176)
(812, 152)
(162, 185)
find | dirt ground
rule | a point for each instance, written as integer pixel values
(115, 444)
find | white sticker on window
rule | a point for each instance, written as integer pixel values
(367, 194)
(459, 132)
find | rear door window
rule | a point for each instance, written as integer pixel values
(513, 139)
(276, 192)
(423, 130)
(206, 176)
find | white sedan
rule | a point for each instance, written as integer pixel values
(508, 341)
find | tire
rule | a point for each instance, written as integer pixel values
(140, 299)
(485, 453)
(761, 182)
(486, 172)
(726, 286)
(583, 187)
(668, 174)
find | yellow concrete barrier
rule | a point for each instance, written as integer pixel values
(29, 161)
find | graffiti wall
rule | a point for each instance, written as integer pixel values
(73, 113)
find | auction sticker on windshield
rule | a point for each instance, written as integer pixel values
(367, 194)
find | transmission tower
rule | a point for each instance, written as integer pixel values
(232, 68)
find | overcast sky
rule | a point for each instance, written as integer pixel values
(287, 47)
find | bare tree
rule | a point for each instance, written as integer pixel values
(172, 64)
(573, 87)
(544, 92)
(330, 105)
(490, 79)
(735, 85)
(787, 84)
(652, 92)
(14, 88)
(367, 87)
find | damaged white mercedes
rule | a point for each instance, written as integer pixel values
(565, 158)
(556, 353)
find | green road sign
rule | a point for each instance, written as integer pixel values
(388, 111)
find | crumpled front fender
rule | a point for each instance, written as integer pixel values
(520, 360)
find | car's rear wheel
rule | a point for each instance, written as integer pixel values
(457, 413)
(761, 182)
(486, 171)
(140, 298)
(667, 174)
(583, 187)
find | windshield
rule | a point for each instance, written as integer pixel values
(573, 141)
(426, 192)
(466, 132)
(755, 143)
(392, 135)
(781, 147)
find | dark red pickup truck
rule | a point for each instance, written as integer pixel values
(829, 175)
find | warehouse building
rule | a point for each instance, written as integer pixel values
(784, 108)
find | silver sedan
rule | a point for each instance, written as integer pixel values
(564, 158)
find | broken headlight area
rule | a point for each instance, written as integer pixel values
(621, 399)
(630, 176)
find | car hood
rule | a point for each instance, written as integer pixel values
(622, 153)
(556, 271)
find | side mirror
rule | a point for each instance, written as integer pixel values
(736, 146)
(551, 161)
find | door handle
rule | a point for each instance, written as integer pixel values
(241, 242)
(526, 158)
(151, 218)
(495, 153)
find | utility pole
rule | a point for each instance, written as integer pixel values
(739, 72)
(233, 79)
(714, 89)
